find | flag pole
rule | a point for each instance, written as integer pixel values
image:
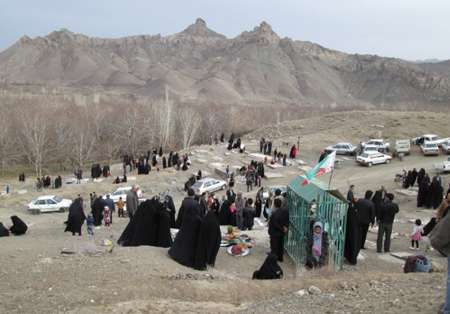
(331, 177)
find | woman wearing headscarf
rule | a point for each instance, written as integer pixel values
(422, 194)
(269, 269)
(436, 193)
(317, 247)
(76, 217)
(18, 227)
(3, 231)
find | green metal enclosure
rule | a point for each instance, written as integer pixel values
(314, 202)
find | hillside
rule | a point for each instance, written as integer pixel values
(256, 68)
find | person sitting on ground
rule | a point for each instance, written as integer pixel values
(269, 269)
(317, 247)
(116, 181)
(18, 227)
(3, 231)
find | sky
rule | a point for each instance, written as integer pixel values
(408, 29)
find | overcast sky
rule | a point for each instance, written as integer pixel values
(409, 29)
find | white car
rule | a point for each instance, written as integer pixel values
(208, 185)
(122, 193)
(49, 203)
(429, 149)
(342, 149)
(446, 147)
(430, 138)
(373, 158)
(379, 143)
(443, 166)
(371, 148)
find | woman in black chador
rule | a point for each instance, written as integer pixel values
(149, 226)
(76, 217)
(352, 236)
(208, 243)
(18, 227)
(184, 246)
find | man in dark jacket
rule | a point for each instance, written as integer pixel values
(132, 201)
(385, 220)
(278, 228)
(366, 214)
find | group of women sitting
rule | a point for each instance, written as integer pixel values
(18, 227)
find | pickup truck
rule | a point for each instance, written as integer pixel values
(429, 138)
(443, 166)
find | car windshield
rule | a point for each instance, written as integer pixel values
(57, 199)
(434, 138)
(197, 185)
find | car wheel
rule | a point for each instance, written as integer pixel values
(388, 161)
(369, 164)
(62, 210)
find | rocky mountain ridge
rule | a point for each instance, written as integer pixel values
(201, 66)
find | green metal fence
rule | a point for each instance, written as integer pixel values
(313, 202)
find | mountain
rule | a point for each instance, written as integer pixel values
(200, 66)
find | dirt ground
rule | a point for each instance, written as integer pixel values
(36, 278)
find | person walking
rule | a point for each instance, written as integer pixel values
(385, 221)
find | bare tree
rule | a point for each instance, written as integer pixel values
(189, 121)
(35, 135)
(9, 151)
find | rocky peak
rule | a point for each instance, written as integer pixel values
(200, 29)
(262, 34)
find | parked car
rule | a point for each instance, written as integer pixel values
(342, 149)
(208, 185)
(446, 147)
(122, 193)
(429, 138)
(370, 148)
(380, 143)
(402, 147)
(443, 166)
(373, 158)
(429, 149)
(49, 203)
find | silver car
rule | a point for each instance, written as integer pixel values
(208, 185)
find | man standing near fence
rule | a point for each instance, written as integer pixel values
(385, 220)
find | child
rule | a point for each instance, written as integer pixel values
(416, 235)
(90, 224)
(106, 216)
(120, 207)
